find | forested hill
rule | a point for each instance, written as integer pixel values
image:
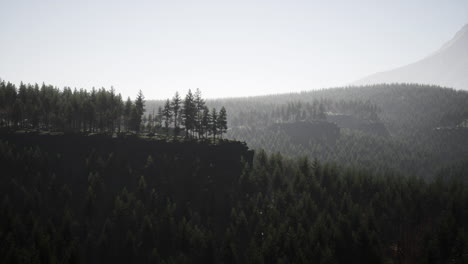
(98, 199)
(404, 107)
(381, 178)
(408, 128)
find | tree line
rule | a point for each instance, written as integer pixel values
(189, 116)
(298, 110)
(45, 107)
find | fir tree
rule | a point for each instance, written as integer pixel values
(214, 123)
(221, 123)
(139, 110)
(167, 115)
(189, 113)
(175, 104)
(199, 105)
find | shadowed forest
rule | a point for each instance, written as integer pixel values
(373, 174)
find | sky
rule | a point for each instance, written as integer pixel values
(225, 48)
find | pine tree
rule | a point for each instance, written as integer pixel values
(214, 123)
(205, 122)
(189, 113)
(140, 109)
(200, 106)
(175, 104)
(167, 115)
(159, 118)
(221, 123)
(126, 113)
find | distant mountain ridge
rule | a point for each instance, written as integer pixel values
(447, 67)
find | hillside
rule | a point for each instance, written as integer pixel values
(415, 129)
(403, 107)
(446, 67)
(340, 169)
(85, 199)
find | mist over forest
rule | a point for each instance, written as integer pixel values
(371, 171)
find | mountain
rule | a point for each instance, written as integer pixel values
(446, 67)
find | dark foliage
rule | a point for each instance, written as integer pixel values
(96, 199)
(407, 128)
(46, 108)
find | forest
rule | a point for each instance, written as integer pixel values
(47, 108)
(410, 129)
(100, 199)
(371, 174)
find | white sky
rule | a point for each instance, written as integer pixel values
(225, 48)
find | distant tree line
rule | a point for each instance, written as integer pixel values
(246, 114)
(46, 107)
(411, 113)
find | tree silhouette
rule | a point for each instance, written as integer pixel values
(205, 122)
(189, 114)
(175, 104)
(199, 106)
(167, 116)
(221, 122)
(139, 110)
(214, 123)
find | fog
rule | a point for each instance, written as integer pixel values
(239, 48)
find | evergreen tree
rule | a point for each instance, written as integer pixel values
(221, 122)
(139, 109)
(214, 123)
(175, 104)
(205, 122)
(167, 115)
(189, 113)
(199, 106)
(127, 114)
(159, 118)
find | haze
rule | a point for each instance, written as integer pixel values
(225, 48)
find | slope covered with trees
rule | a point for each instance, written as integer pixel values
(366, 175)
(407, 128)
(97, 199)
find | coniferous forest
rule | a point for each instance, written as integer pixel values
(373, 174)
(47, 108)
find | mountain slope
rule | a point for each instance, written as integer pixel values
(446, 67)
(416, 117)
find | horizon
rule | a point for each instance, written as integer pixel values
(225, 50)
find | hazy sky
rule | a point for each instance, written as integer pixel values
(225, 48)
